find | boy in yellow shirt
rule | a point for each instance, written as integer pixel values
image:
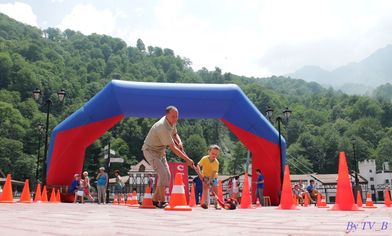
(210, 166)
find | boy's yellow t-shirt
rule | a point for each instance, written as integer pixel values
(208, 166)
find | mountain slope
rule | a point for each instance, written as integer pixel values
(367, 74)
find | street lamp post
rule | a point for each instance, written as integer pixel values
(286, 116)
(108, 170)
(61, 95)
(40, 131)
(357, 187)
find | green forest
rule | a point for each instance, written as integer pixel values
(323, 122)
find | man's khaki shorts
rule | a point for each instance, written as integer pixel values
(159, 164)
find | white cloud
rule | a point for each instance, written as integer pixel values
(324, 33)
(190, 35)
(20, 11)
(88, 19)
(248, 37)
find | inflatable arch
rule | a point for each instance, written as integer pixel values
(120, 99)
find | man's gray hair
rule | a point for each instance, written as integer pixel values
(214, 146)
(169, 108)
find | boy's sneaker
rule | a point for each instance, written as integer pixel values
(204, 206)
(162, 205)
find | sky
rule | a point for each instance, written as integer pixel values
(256, 38)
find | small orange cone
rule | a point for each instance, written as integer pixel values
(58, 196)
(122, 201)
(6, 196)
(38, 196)
(387, 198)
(359, 199)
(147, 200)
(177, 196)
(115, 201)
(192, 199)
(53, 196)
(321, 203)
(306, 200)
(25, 197)
(344, 193)
(286, 198)
(44, 197)
(295, 200)
(318, 200)
(129, 199)
(134, 201)
(220, 191)
(246, 202)
(258, 205)
(369, 201)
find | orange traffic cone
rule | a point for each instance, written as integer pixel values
(44, 197)
(387, 198)
(306, 200)
(129, 199)
(246, 201)
(220, 191)
(25, 197)
(369, 201)
(295, 200)
(115, 201)
(286, 199)
(58, 196)
(6, 196)
(359, 199)
(258, 205)
(134, 201)
(318, 203)
(192, 200)
(122, 201)
(321, 203)
(147, 200)
(344, 192)
(177, 196)
(38, 195)
(53, 196)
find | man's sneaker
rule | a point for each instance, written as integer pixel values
(217, 207)
(204, 206)
(155, 203)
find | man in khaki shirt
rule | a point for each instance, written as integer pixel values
(161, 135)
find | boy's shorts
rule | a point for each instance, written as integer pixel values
(214, 182)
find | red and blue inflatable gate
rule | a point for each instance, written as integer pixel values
(120, 99)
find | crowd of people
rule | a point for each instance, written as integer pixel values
(81, 186)
(300, 191)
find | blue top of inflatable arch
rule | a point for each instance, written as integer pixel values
(198, 101)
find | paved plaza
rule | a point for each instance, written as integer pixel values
(92, 219)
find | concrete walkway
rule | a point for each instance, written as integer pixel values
(93, 219)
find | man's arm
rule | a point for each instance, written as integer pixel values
(178, 142)
(181, 154)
